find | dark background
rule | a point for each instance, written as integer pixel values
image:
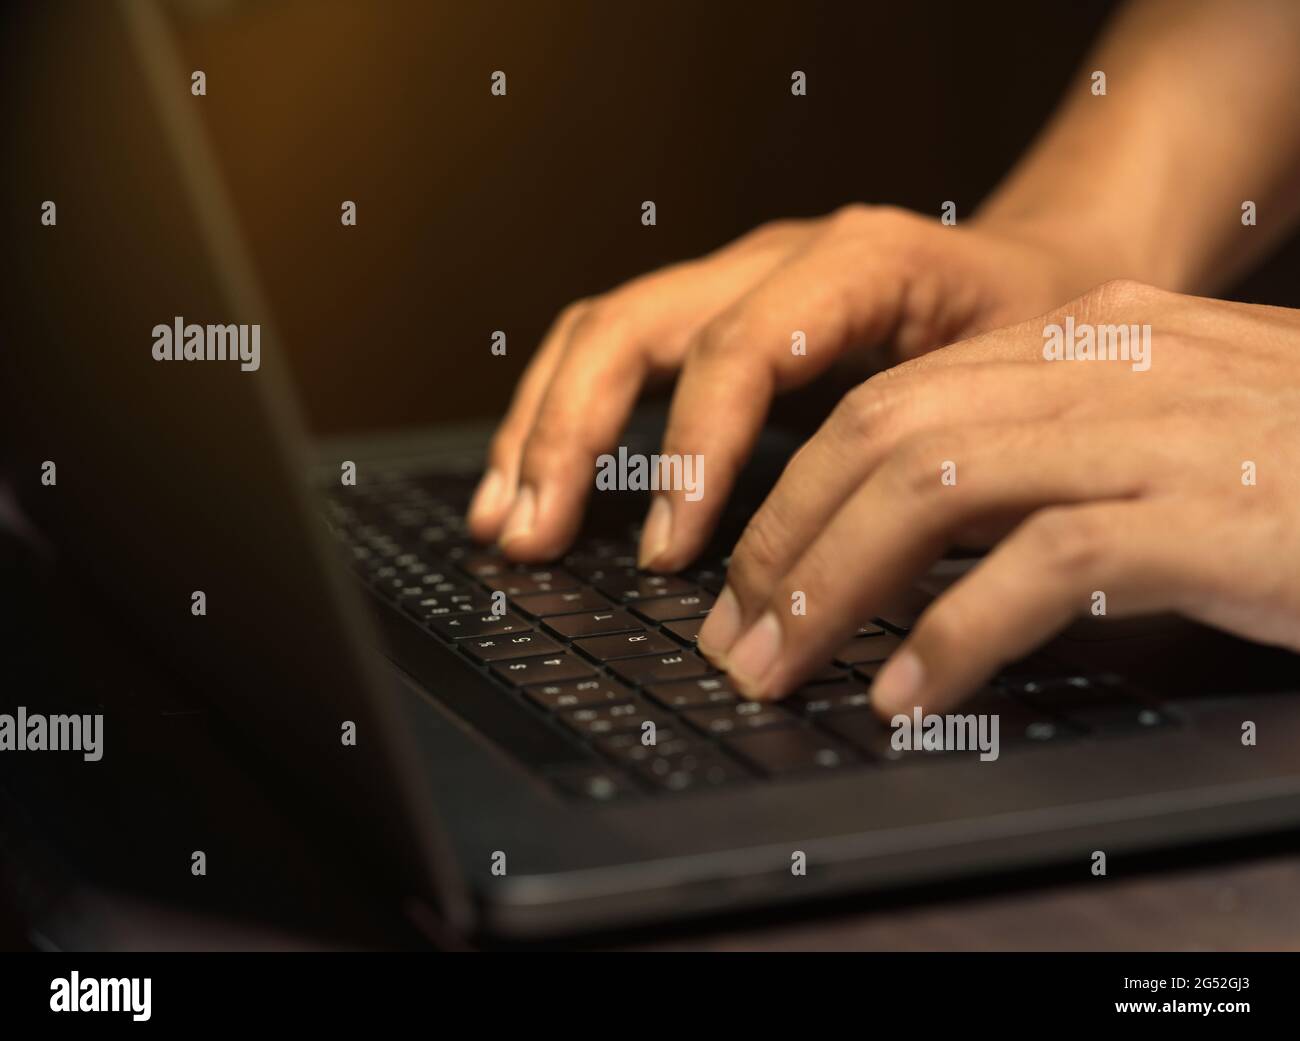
(479, 213)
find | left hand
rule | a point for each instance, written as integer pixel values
(1175, 488)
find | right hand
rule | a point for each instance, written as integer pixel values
(860, 277)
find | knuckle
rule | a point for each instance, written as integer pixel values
(888, 216)
(578, 308)
(1068, 541)
(756, 558)
(569, 316)
(595, 316)
(725, 336)
(860, 216)
(547, 446)
(943, 627)
(850, 216)
(863, 410)
(606, 325)
(915, 469)
(1118, 294)
(773, 230)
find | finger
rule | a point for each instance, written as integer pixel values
(741, 359)
(1119, 302)
(680, 298)
(889, 531)
(1142, 557)
(864, 428)
(640, 330)
(496, 490)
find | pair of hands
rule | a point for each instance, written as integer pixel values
(1175, 488)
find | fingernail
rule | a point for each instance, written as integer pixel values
(488, 495)
(898, 683)
(654, 535)
(721, 628)
(754, 655)
(522, 514)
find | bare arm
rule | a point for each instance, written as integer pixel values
(1201, 114)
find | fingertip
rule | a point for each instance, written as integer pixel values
(753, 661)
(898, 685)
(539, 526)
(676, 529)
(656, 534)
(721, 628)
(489, 505)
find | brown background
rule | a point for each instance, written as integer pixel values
(479, 213)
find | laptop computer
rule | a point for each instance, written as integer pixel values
(471, 732)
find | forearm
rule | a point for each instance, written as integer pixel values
(1201, 114)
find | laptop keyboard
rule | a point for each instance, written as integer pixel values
(601, 650)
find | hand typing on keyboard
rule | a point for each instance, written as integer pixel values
(1174, 486)
(1164, 478)
(1143, 478)
(725, 322)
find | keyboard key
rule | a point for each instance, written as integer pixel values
(484, 566)
(600, 720)
(687, 629)
(630, 584)
(670, 739)
(874, 736)
(1063, 690)
(864, 731)
(500, 648)
(671, 608)
(1095, 704)
(400, 592)
(1024, 724)
(690, 771)
(441, 538)
(698, 693)
(1115, 719)
(662, 668)
(578, 693)
(831, 697)
(1019, 722)
(867, 649)
(711, 580)
(595, 623)
(574, 601)
(446, 587)
(440, 581)
(598, 785)
(1102, 704)
(625, 645)
(791, 750)
(443, 597)
(830, 674)
(742, 716)
(395, 587)
(463, 626)
(553, 668)
(547, 580)
(440, 607)
(900, 621)
(586, 564)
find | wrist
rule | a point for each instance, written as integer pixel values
(1085, 246)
